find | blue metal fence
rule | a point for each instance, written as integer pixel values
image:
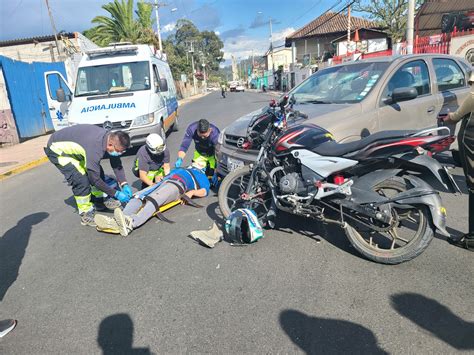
(27, 95)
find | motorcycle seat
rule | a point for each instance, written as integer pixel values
(336, 149)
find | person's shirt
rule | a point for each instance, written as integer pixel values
(146, 161)
(467, 107)
(205, 146)
(192, 178)
(87, 143)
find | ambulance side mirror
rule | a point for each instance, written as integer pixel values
(60, 95)
(163, 85)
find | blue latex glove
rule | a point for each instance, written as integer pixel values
(122, 196)
(215, 180)
(127, 189)
(178, 163)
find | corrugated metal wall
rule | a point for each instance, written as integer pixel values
(27, 95)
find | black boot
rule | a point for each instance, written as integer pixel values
(467, 240)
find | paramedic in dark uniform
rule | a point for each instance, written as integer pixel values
(153, 161)
(466, 147)
(205, 136)
(77, 151)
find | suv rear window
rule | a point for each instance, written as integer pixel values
(448, 74)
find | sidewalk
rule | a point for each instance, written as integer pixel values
(29, 154)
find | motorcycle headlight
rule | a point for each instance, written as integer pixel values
(220, 139)
(144, 119)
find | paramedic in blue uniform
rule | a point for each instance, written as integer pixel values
(77, 151)
(191, 182)
(205, 136)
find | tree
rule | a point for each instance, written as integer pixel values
(389, 14)
(122, 25)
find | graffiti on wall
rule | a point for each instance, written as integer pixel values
(8, 133)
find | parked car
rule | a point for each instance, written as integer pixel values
(233, 85)
(240, 88)
(354, 100)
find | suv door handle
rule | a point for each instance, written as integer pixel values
(431, 109)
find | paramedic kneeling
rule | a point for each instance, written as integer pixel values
(153, 161)
(205, 136)
(191, 182)
(77, 151)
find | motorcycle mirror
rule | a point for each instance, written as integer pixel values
(284, 101)
(273, 103)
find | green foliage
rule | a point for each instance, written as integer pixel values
(206, 46)
(122, 25)
(389, 14)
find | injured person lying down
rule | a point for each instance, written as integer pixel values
(182, 184)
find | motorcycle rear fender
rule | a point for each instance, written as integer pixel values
(423, 164)
(424, 194)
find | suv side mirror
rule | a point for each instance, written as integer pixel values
(163, 85)
(60, 95)
(402, 94)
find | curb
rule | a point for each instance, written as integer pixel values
(23, 167)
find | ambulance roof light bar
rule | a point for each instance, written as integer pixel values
(115, 48)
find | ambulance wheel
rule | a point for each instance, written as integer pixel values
(162, 130)
(175, 125)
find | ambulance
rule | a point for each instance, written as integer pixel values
(121, 87)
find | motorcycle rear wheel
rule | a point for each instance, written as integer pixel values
(389, 247)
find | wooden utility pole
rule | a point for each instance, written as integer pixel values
(54, 27)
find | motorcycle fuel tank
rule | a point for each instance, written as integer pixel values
(305, 136)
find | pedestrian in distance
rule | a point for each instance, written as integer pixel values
(77, 151)
(466, 147)
(223, 90)
(153, 161)
(205, 136)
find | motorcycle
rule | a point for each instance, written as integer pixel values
(369, 187)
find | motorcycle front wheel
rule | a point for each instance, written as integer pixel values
(232, 192)
(398, 243)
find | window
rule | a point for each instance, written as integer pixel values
(413, 75)
(55, 82)
(349, 83)
(156, 78)
(448, 74)
(121, 77)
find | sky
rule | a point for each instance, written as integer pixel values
(243, 25)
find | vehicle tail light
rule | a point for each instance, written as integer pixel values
(338, 179)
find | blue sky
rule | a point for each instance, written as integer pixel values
(242, 24)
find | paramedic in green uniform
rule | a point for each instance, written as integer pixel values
(77, 151)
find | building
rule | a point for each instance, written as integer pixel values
(314, 42)
(68, 49)
(277, 57)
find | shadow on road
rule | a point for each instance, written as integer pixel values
(12, 249)
(328, 336)
(435, 318)
(116, 336)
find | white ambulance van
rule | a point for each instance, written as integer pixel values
(121, 87)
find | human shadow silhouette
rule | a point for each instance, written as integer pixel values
(316, 335)
(116, 336)
(12, 249)
(435, 318)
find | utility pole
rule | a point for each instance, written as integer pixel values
(158, 29)
(191, 50)
(410, 25)
(54, 27)
(271, 45)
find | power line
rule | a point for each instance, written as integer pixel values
(304, 14)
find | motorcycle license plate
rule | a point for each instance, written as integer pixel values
(233, 164)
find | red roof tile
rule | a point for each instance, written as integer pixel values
(331, 22)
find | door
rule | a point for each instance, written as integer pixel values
(452, 86)
(58, 111)
(418, 113)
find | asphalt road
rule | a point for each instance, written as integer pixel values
(75, 290)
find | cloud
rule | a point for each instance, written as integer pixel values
(232, 33)
(260, 21)
(244, 46)
(168, 27)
